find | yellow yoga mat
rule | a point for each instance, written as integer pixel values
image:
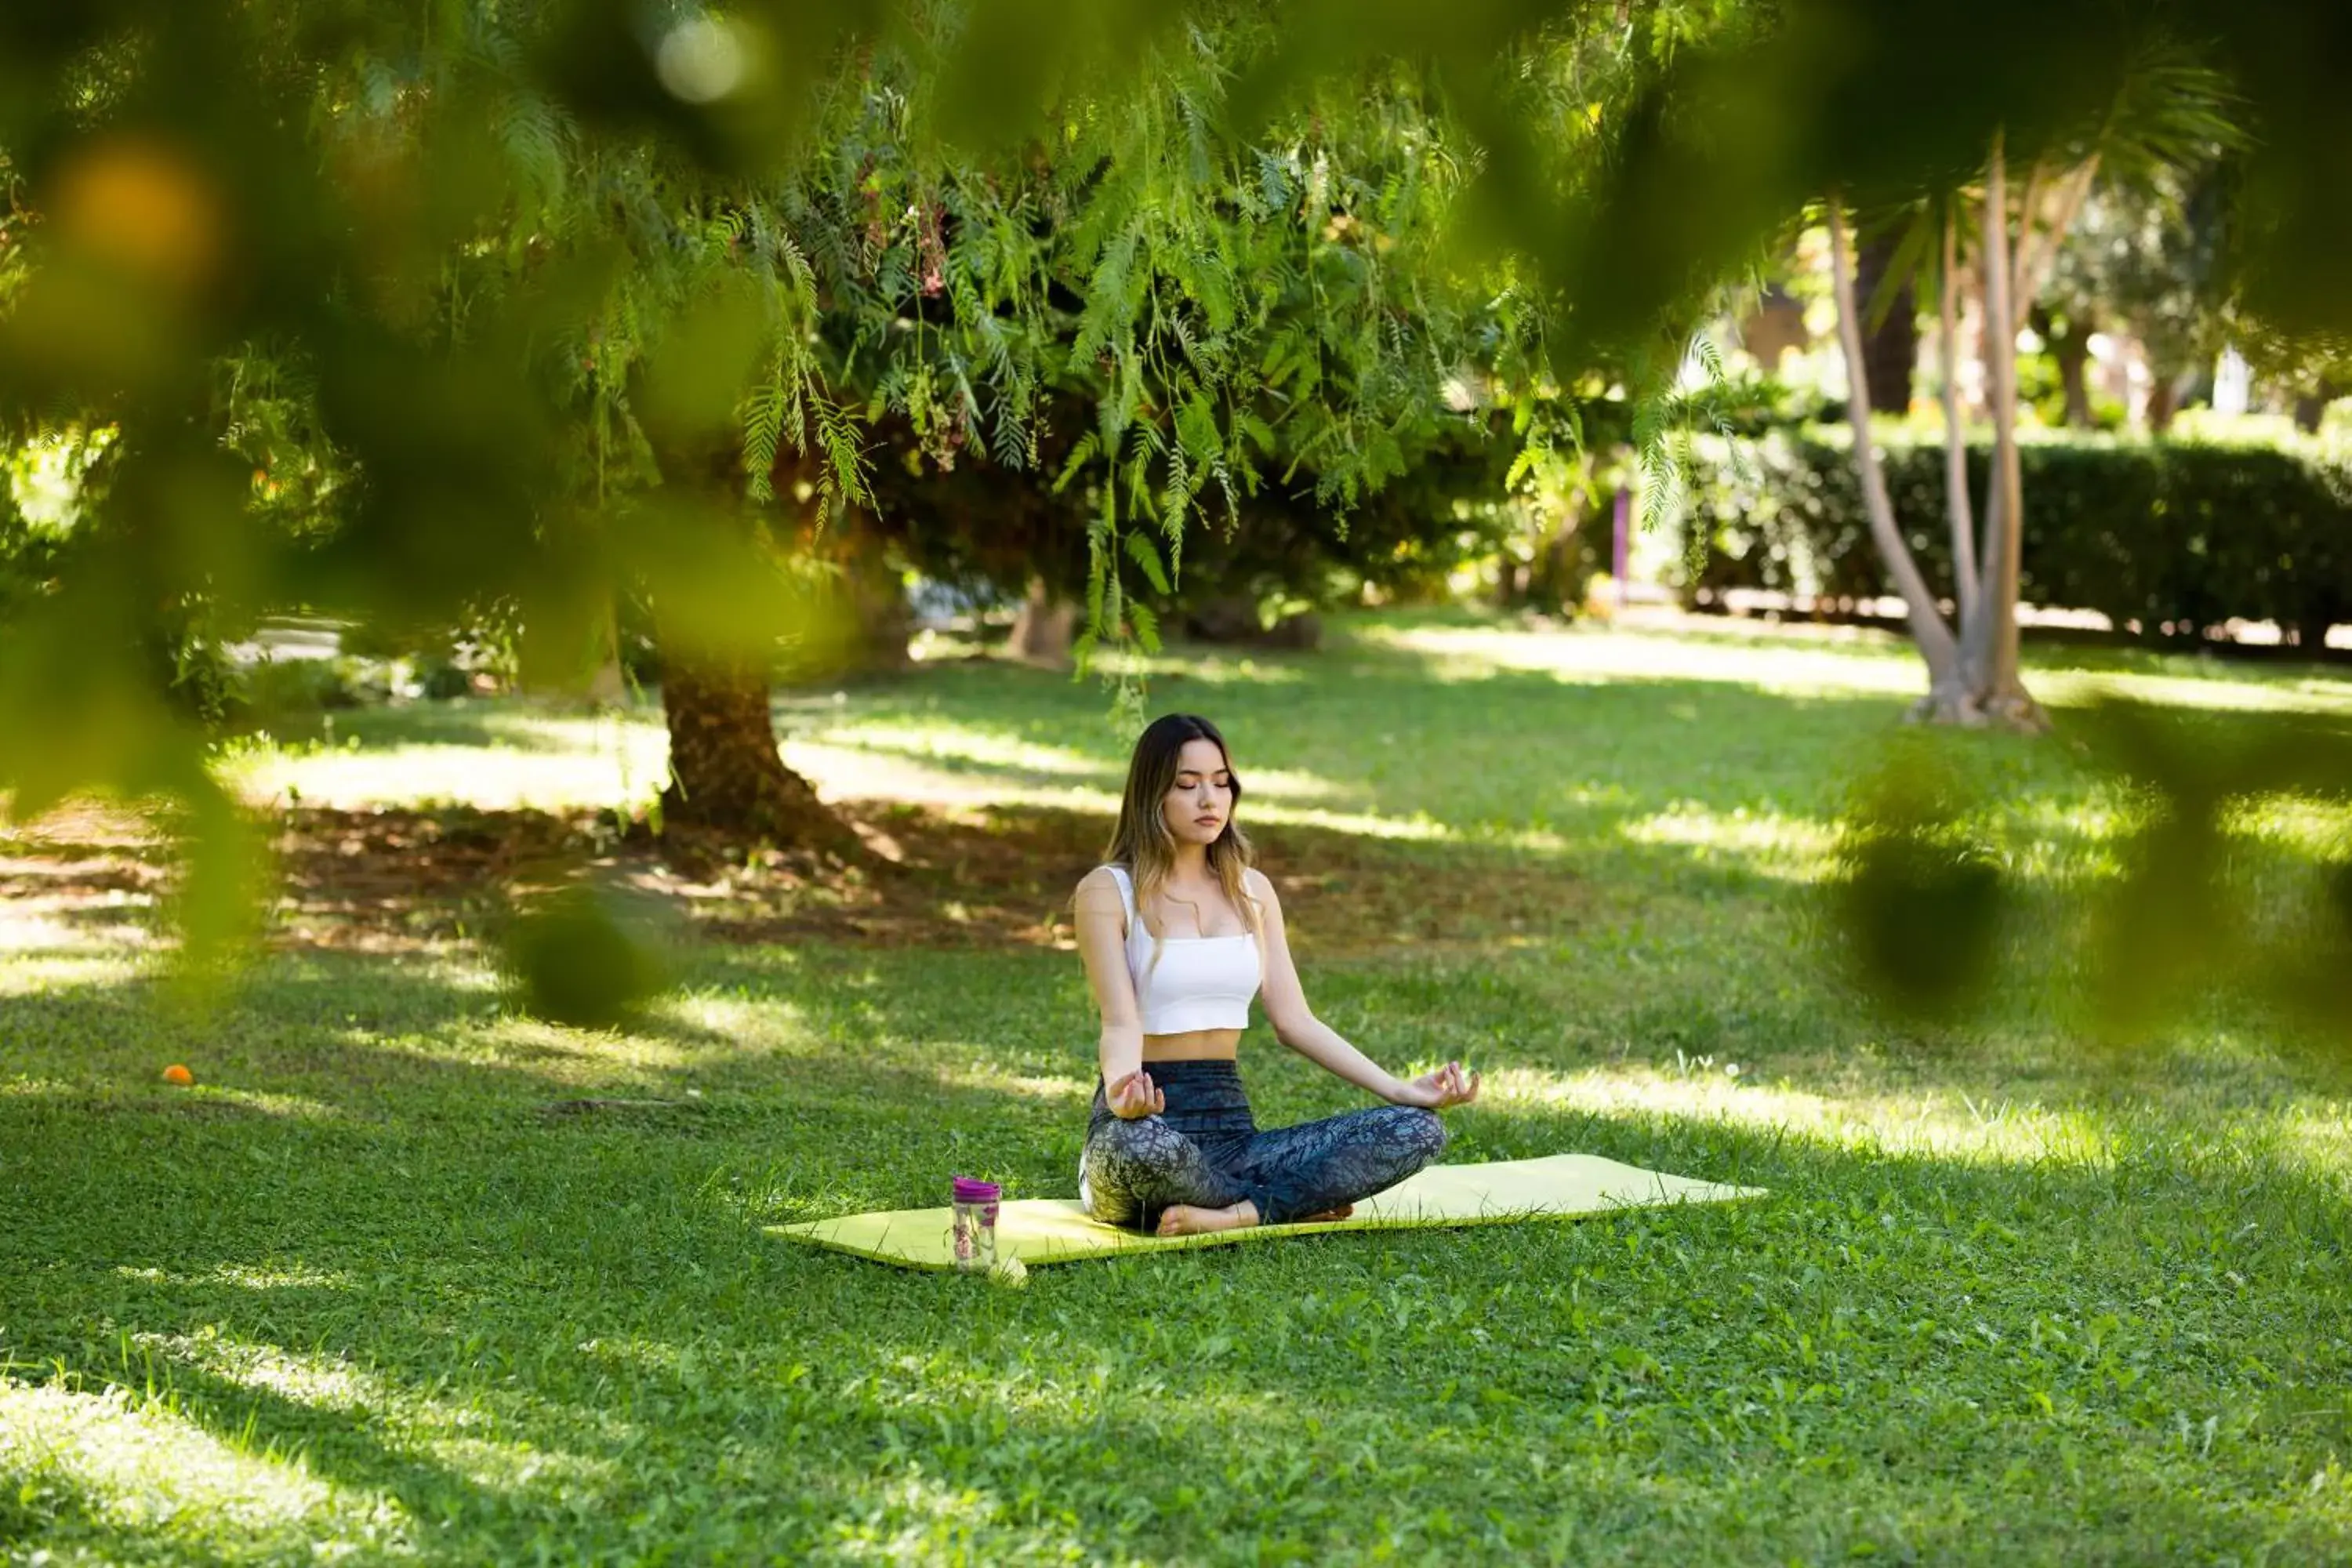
(1056, 1230)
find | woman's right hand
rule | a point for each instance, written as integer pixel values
(1134, 1096)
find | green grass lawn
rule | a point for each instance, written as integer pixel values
(360, 1296)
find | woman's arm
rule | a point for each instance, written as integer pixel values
(1295, 1026)
(1102, 943)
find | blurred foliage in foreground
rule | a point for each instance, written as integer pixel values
(1926, 907)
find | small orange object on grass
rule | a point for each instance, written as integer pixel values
(177, 1073)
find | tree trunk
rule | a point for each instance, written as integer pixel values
(727, 777)
(2163, 403)
(1971, 680)
(2311, 408)
(1042, 630)
(726, 774)
(1961, 514)
(873, 594)
(1991, 688)
(2072, 349)
(1927, 628)
(1890, 351)
(1561, 572)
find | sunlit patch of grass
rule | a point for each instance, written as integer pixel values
(1946, 1123)
(843, 769)
(244, 1278)
(2319, 1134)
(458, 1437)
(983, 1075)
(2177, 683)
(493, 777)
(1796, 848)
(2304, 826)
(949, 745)
(103, 964)
(1859, 668)
(264, 1102)
(105, 1471)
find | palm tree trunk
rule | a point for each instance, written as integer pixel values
(1890, 350)
(2073, 349)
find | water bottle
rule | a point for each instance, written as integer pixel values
(975, 1225)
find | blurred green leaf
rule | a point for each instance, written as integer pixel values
(586, 956)
(1918, 899)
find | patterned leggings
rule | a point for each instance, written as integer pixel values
(1205, 1149)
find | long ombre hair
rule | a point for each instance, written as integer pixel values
(1141, 841)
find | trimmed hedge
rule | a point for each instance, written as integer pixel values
(2148, 531)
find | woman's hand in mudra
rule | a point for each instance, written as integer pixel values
(1134, 1096)
(1449, 1086)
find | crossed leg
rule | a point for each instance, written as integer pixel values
(1144, 1172)
(1316, 1167)
(1136, 1172)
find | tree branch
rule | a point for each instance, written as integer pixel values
(1956, 456)
(1928, 628)
(2031, 199)
(1990, 642)
(2034, 261)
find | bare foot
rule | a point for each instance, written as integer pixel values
(1184, 1219)
(1327, 1216)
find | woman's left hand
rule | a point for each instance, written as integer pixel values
(1450, 1085)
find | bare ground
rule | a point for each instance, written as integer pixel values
(392, 879)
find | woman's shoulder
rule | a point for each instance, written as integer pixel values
(1256, 883)
(1105, 879)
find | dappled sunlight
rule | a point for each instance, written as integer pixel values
(1419, 828)
(139, 1468)
(942, 766)
(2056, 840)
(265, 1103)
(490, 777)
(2317, 1135)
(557, 1052)
(463, 1439)
(993, 1079)
(2230, 690)
(1945, 1122)
(773, 1022)
(1203, 663)
(956, 745)
(1788, 667)
(34, 973)
(1787, 662)
(244, 1278)
(323, 1382)
(2314, 829)
(906, 1516)
(1795, 848)
(844, 770)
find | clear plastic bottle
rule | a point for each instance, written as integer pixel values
(975, 1225)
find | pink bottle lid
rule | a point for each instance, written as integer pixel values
(967, 1191)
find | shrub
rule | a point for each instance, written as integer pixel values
(2190, 533)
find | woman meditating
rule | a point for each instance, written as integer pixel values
(1178, 933)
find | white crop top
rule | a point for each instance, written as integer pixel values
(1200, 981)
